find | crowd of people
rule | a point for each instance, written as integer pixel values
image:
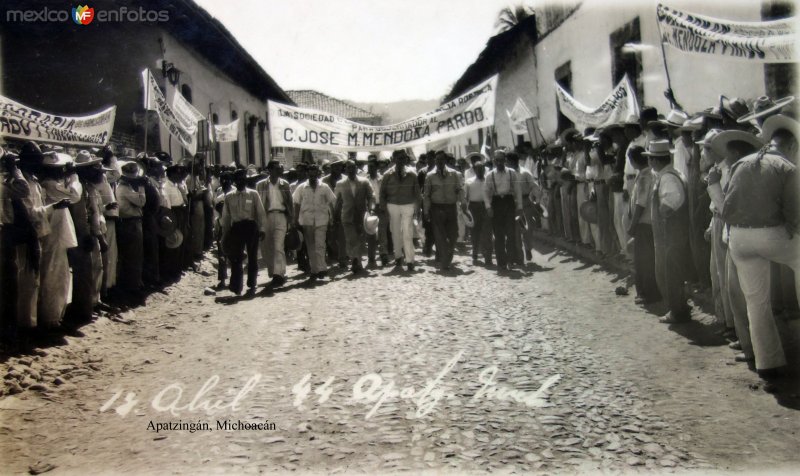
(709, 199)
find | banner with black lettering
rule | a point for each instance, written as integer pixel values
(304, 128)
(619, 106)
(22, 122)
(154, 100)
(186, 113)
(766, 42)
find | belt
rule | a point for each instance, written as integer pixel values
(278, 211)
(503, 196)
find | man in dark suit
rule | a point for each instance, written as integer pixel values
(276, 195)
(354, 197)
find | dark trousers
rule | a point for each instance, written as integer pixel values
(672, 257)
(644, 263)
(172, 258)
(130, 246)
(504, 227)
(336, 246)
(8, 285)
(150, 264)
(222, 264)
(242, 236)
(481, 233)
(430, 238)
(444, 218)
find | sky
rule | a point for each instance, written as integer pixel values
(362, 50)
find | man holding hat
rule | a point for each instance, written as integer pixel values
(762, 209)
(131, 199)
(277, 199)
(354, 198)
(669, 212)
(481, 229)
(381, 239)
(243, 224)
(400, 195)
(502, 198)
(313, 205)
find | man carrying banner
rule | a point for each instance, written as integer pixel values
(399, 196)
(277, 199)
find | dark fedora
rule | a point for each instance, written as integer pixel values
(293, 240)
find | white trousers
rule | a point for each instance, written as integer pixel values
(401, 224)
(272, 249)
(752, 250)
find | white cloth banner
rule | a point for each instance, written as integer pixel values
(23, 122)
(518, 117)
(619, 106)
(154, 100)
(303, 128)
(227, 132)
(767, 42)
(186, 113)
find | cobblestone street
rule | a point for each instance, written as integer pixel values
(545, 370)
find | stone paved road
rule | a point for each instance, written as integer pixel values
(545, 370)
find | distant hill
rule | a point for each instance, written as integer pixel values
(399, 111)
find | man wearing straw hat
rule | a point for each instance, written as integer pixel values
(313, 207)
(669, 212)
(762, 210)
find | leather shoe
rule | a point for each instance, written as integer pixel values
(740, 357)
(735, 345)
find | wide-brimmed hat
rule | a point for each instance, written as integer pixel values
(776, 122)
(732, 108)
(658, 148)
(710, 135)
(84, 159)
(129, 164)
(293, 239)
(675, 118)
(570, 135)
(56, 159)
(588, 211)
(166, 223)
(370, 224)
(163, 157)
(693, 124)
(720, 143)
(763, 106)
(475, 154)
(30, 151)
(174, 240)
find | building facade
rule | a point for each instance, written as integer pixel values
(588, 46)
(73, 69)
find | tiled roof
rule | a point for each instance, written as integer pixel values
(316, 100)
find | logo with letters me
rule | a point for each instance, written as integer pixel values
(82, 14)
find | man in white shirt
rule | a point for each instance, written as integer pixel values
(481, 229)
(502, 198)
(313, 204)
(276, 195)
(243, 225)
